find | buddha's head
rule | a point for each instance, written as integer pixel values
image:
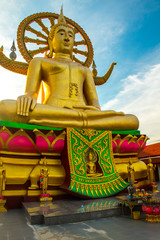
(61, 37)
(90, 157)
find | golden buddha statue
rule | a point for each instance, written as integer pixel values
(44, 172)
(131, 172)
(150, 171)
(71, 99)
(91, 165)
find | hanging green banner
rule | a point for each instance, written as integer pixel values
(92, 171)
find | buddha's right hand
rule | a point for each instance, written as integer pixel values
(25, 103)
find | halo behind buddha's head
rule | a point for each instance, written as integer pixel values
(61, 22)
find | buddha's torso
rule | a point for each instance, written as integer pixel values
(65, 80)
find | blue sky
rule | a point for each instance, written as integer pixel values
(122, 31)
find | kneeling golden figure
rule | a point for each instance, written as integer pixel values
(71, 95)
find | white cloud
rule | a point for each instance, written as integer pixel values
(12, 84)
(141, 96)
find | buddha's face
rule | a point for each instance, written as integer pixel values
(63, 40)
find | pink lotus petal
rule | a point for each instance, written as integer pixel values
(42, 144)
(21, 144)
(58, 146)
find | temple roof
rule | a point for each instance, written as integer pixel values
(150, 150)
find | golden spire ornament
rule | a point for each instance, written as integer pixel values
(61, 19)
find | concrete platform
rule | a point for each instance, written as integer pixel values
(71, 210)
(15, 226)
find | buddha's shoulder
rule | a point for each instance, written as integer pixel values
(41, 60)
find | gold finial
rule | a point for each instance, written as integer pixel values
(61, 19)
(13, 55)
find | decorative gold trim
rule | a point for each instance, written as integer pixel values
(50, 161)
(111, 186)
(104, 188)
(91, 190)
(78, 160)
(96, 190)
(19, 154)
(89, 132)
(49, 154)
(61, 136)
(124, 154)
(120, 179)
(126, 160)
(82, 188)
(2, 143)
(86, 188)
(115, 185)
(72, 184)
(19, 161)
(106, 184)
(99, 189)
(4, 129)
(9, 193)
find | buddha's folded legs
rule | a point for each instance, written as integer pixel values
(46, 115)
(60, 117)
(116, 122)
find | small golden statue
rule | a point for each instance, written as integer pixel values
(2, 178)
(2, 187)
(150, 171)
(71, 98)
(131, 175)
(44, 178)
(44, 173)
(91, 165)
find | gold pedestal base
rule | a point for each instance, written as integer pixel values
(152, 218)
(2, 205)
(46, 199)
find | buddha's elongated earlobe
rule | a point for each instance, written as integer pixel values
(50, 54)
